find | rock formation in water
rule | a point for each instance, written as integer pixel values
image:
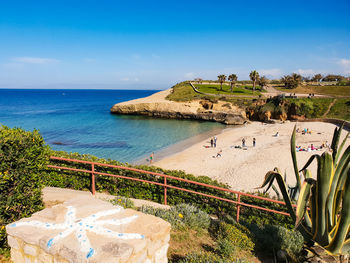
(157, 106)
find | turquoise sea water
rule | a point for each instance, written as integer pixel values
(80, 121)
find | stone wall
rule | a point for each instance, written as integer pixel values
(88, 230)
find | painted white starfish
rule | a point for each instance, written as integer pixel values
(79, 226)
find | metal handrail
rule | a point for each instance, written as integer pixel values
(93, 172)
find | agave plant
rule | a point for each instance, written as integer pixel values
(322, 213)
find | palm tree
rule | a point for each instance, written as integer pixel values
(254, 76)
(263, 81)
(232, 78)
(317, 78)
(291, 81)
(221, 79)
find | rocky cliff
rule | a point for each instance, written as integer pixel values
(157, 106)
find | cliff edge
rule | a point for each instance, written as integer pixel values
(157, 106)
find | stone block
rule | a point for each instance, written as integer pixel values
(161, 254)
(30, 259)
(12, 242)
(153, 246)
(44, 257)
(17, 256)
(30, 250)
(88, 230)
(59, 260)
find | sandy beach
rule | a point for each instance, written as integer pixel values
(244, 169)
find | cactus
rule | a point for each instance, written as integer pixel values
(323, 206)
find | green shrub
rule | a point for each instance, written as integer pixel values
(270, 239)
(236, 234)
(182, 215)
(134, 189)
(123, 202)
(226, 248)
(23, 158)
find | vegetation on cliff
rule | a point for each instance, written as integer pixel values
(262, 109)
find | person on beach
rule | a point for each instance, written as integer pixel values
(254, 141)
(219, 154)
(243, 142)
(215, 141)
(151, 157)
(211, 142)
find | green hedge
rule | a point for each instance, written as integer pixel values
(23, 158)
(134, 189)
(139, 190)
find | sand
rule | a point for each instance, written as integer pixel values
(245, 169)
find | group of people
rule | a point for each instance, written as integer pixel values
(312, 147)
(213, 142)
(244, 145)
(303, 131)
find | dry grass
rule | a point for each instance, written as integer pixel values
(4, 259)
(189, 241)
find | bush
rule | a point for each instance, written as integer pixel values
(123, 202)
(23, 158)
(271, 239)
(134, 189)
(180, 216)
(236, 234)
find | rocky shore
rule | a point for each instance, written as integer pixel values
(157, 106)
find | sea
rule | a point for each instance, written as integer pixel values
(80, 121)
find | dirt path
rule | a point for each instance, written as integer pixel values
(329, 108)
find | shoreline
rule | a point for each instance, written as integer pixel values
(180, 146)
(245, 169)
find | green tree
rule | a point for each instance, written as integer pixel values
(254, 76)
(317, 78)
(263, 81)
(232, 78)
(291, 81)
(221, 79)
(332, 77)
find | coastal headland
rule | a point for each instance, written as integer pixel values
(157, 105)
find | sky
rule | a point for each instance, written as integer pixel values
(146, 44)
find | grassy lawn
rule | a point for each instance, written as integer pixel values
(340, 109)
(182, 92)
(324, 90)
(216, 89)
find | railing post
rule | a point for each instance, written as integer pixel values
(165, 191)
(93, 179)
(238, 207)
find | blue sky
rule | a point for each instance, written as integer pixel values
(154, 44)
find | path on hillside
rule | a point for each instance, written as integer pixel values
(271, 91)
(329, 108)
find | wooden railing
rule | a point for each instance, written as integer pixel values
(238, 194)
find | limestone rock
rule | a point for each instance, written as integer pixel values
(157, 106)
(86, 229)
